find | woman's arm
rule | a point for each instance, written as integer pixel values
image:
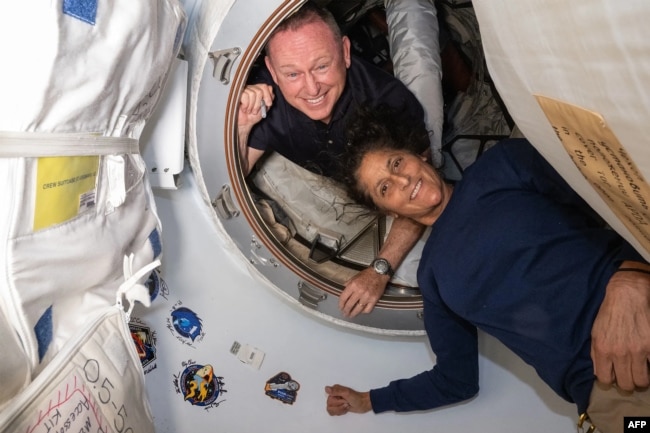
(620, 336)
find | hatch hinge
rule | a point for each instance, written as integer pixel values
(224, 204)
(223, 61)
(310, 296)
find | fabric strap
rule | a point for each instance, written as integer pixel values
(39, 144)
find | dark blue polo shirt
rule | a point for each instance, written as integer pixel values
(518, 254)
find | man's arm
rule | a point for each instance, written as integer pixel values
(364, 289)
(620, 336)
(249, 155)
(254, 102)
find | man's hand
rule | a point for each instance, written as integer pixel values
(253, 98)
(250, 104)
(620, 336)
(341, 400)
(362, 292)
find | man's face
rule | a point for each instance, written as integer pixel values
(309, 66)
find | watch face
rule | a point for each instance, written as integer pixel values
(381, 266)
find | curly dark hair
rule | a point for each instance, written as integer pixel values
(374, 129)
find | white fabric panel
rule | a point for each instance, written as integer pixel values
(69, 69)
(75, 266)
(69, 75)
(15, 372)
(592, 54)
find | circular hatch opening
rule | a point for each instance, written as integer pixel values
(306, 220)
(309, 249)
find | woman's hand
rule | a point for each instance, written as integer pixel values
(341, 400)
(620, 336)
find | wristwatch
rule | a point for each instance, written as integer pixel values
(382, 267)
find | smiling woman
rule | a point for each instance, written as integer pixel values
(382, 168)
(397, 179)
(513, 252)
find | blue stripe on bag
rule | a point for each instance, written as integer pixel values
(43, 331)
(85, 10)
(156, 244)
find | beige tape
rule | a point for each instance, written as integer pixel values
(604, 162)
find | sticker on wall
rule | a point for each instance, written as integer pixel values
(248, 354)
(199, 386)
(145, 344)
(185, 325)
(282, 387)
(156, 285)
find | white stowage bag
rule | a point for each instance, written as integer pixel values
(574, 77)
(78, 224)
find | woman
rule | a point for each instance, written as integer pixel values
(513, 251)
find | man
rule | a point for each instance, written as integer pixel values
(310, 90)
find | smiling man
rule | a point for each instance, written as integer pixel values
(299, 106)
(310, 87)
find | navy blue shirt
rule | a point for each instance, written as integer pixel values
(518, 254)
(315, 145)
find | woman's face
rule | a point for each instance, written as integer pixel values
(403, 184)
